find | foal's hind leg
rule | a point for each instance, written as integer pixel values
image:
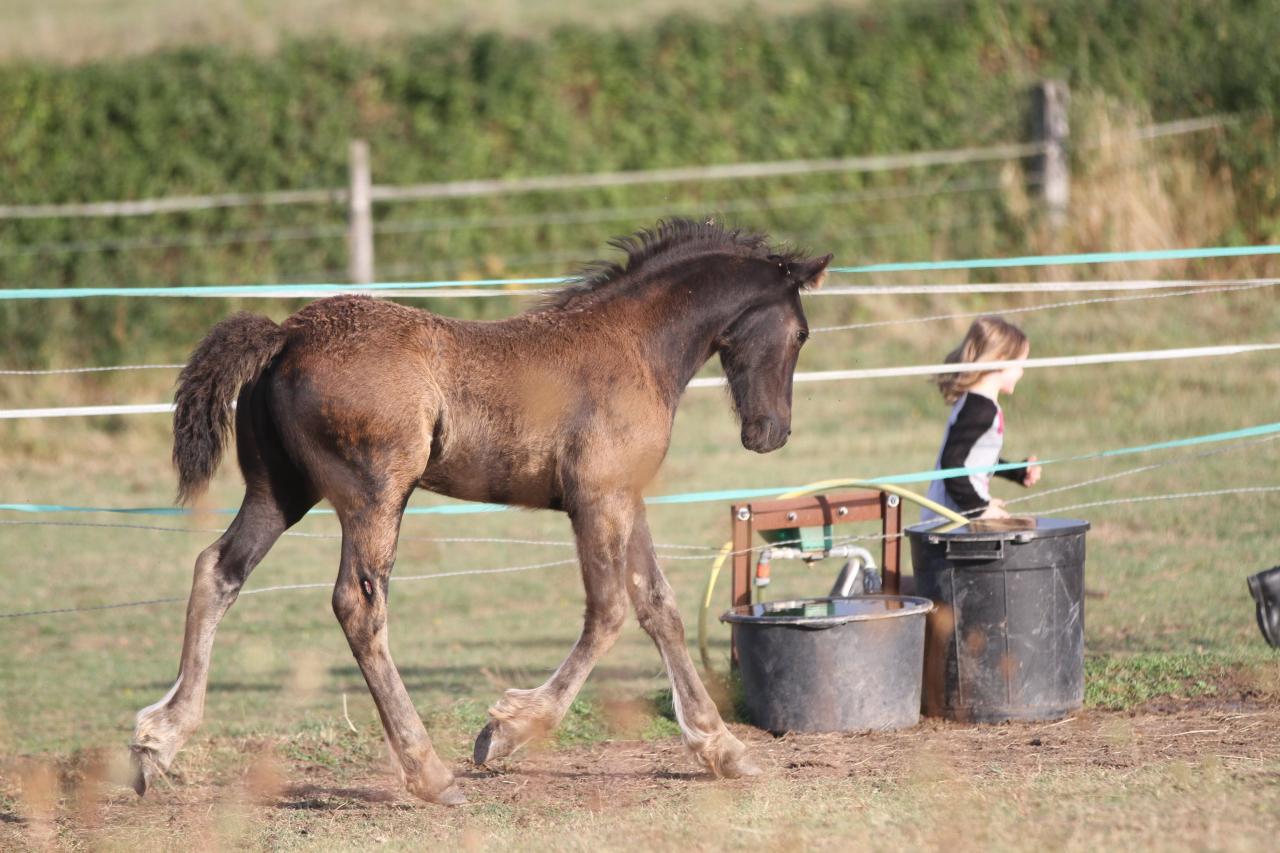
(360, 603)
(602, 530)
(703, 731)
(221, 570)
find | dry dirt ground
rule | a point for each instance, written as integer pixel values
(262, 794)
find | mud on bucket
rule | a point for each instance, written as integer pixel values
(1006, 640)
(831, 664)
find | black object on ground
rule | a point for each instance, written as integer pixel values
(831, 664)
(1265, 589)
(1006, 639)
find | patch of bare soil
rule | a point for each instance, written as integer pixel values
(77, 796)
(623, 772)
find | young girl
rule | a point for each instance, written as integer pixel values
(975, 430)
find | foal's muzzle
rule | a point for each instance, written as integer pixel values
(765, 434)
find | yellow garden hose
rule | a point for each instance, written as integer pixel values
(954, 519)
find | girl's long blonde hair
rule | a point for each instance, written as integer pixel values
(988, 339)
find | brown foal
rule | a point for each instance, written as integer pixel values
(568, 406)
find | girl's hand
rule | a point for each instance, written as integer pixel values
(1033, 473)
(995, 509)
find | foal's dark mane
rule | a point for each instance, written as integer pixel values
(670, 241)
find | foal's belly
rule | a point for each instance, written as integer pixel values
(493, 475)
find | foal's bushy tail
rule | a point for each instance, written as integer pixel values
(234, 353)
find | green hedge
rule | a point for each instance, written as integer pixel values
(899, 77)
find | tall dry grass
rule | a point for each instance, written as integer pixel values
(1133, 194)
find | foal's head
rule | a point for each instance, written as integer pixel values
(759, 348)
(747, 298)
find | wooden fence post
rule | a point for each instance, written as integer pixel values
(1053, 168)
(360, 216)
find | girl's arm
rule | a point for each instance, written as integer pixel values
(1017, 475)
(1027, 475)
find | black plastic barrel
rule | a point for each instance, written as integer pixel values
(1006, 639)
(831, 664)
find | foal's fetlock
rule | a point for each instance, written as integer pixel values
(725, 756)
(156, 741)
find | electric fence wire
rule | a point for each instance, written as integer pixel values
(838, 540)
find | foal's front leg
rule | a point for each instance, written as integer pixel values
(703, 731)
(602, 528)
(360, 603)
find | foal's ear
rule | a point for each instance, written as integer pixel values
(808, 274)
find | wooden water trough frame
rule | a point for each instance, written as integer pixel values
(815, 511)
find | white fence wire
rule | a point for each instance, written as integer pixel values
(1206, 286)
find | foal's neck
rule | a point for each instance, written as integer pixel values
(686, 317)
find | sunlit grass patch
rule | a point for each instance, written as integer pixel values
(1128, 681)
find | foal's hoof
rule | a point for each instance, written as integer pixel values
(491, 744)
(146, 768)
(733, 762)
(451, 796)
(739, 766)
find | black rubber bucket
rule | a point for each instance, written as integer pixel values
(1006, 640)
(832, 664)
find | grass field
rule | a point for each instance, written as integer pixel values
(1176, 747)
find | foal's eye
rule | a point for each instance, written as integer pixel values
(802, 335)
